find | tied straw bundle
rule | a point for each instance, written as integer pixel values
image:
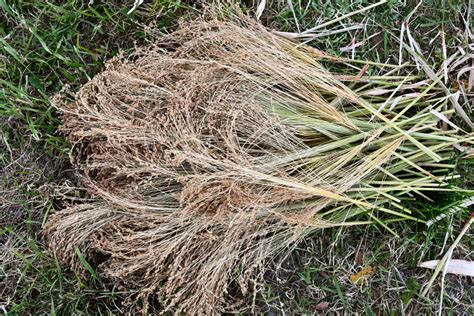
(222, 145)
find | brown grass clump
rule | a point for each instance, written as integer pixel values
(219, 147)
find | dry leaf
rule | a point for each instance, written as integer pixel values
(359, 257)
(261, 8)
(321, 306)
(363, 71)
(455, 266)
(363, 274)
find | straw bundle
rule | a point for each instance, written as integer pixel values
(222, 145)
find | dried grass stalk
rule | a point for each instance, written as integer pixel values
(221, 146)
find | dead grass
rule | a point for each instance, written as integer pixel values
(221, 146)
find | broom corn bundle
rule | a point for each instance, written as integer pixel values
(222, 145)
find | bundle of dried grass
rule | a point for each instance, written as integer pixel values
(221, 146)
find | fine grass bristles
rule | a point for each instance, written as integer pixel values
(223, 144)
